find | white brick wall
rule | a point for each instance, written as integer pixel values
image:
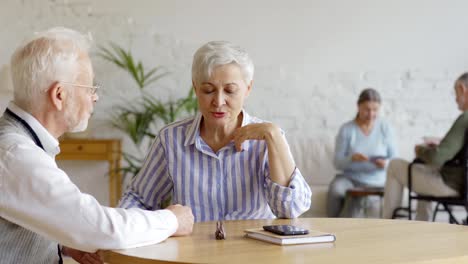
(312, 56)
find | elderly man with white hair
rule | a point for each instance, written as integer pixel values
(442, 172)
(223, 163)
(39, 205)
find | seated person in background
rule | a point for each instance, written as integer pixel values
(434, 177)
(363, 147)
(39, 206)
(223, 163)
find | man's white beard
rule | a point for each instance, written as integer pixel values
(73, 124)
(80, 127)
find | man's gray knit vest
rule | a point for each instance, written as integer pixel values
(17, 244)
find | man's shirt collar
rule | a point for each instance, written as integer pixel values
(49, 142)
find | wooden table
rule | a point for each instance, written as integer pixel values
(97, 149)
(357, 241)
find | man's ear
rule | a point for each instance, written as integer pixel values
(463, 86)
(56, 94)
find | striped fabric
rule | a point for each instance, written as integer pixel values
(21, 246)
(224, 185)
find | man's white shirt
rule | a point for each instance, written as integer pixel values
(39, 196)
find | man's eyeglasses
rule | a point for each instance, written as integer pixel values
(92, 88)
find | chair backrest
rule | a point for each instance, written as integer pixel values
(465, 160)
(461, 159)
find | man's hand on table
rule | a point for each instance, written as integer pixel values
(81, 256)
(184, 217)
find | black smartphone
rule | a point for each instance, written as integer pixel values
(374, 158)
(286, 230)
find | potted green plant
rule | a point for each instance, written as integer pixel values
(137, 120)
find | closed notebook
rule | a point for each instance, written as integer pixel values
(312, 237)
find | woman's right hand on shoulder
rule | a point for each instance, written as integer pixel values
(358, 157)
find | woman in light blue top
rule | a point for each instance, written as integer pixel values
(363, 148)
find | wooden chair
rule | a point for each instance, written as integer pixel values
(461, 159)
(364, 192)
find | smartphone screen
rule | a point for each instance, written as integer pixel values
(286, 230)
(374, 158)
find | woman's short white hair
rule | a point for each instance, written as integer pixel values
(218, 53)
(49, 56)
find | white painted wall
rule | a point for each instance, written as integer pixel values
(312, 56)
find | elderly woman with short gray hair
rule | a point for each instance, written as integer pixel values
(223, 163)
(363, 148)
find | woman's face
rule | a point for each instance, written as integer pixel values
(368, 111)
(221, 97)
